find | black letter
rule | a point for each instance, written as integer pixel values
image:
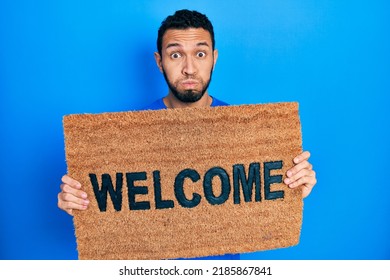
(208, 186)
(101, 195)
(133, 190)
(160, 204)
(179, 192)
(268, 180)
(239, 176)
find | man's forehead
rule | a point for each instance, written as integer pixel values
(190, 36)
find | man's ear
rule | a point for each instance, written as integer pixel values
(157, 57)
(215, 53)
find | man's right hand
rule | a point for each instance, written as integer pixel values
(71, 197)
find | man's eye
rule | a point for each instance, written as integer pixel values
(201, 54)
(175, 55)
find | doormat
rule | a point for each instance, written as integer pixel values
(181, 183)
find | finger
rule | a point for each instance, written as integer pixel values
(68, 201)
(70, 198)
(306, 178)
(296, 180)
(70, 206)
(302, 157)
(75, 192)
(300, 166)
(74, 206)
(71, 182)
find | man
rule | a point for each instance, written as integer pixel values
(186, 57)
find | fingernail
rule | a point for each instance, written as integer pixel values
(289, 173)
(84, 195)
(86, 202)
(296, 160)
(286, 181)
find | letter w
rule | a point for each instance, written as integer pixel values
(101, 194)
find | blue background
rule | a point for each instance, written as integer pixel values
(333, 57)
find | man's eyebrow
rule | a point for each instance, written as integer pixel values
(171, 45)
(203, 44)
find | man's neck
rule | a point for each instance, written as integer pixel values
(172, 102)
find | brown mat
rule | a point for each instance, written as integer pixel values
(185, 182)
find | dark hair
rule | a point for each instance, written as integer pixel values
(184, 19)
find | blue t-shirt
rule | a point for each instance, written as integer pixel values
(158, 105)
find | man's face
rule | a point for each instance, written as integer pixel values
(187, 61)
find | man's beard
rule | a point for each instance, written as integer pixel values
(190, 95)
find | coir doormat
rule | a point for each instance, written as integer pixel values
(185, 182)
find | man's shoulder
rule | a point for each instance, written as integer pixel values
(217, 102)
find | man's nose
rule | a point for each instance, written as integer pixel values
(189, 67)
